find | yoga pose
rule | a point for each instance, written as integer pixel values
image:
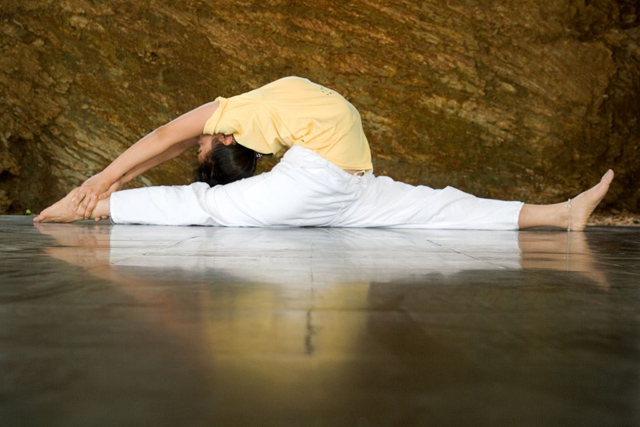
(325, 178)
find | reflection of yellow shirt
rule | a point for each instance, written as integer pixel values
(295, 111)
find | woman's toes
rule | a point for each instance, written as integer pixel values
(585, 203)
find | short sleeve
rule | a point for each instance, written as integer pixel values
(235, 116)
(212, 123)
(242, 116)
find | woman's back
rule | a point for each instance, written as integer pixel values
(295, 111)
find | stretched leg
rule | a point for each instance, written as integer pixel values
(573, 215)
(383, 202)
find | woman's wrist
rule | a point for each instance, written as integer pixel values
(125, 178)
(108, 177)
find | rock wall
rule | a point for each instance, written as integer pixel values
(502, 98)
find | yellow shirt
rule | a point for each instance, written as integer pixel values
(295, 111)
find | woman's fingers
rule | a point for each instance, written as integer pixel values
(83, 202)
(82, 197)
(78, 195)
(82, 207)
(92, 190)
(79, 198)
(91, 205)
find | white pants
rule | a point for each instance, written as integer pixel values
(305, 190)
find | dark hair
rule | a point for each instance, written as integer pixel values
(225, 164)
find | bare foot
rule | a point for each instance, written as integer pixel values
(61, 211)
(584, 203)
(561, 252)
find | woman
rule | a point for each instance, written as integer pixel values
(324, 179)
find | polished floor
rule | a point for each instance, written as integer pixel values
(109, 325)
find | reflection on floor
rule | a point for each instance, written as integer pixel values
(194, 326)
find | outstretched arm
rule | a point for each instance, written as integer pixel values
(157, 147)
(172, 152)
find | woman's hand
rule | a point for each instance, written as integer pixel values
(114, 187)
(87, 195)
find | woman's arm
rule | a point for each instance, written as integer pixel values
(161, 140)
(173, 152)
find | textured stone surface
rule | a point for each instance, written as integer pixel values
(113, 325)
(509, 99)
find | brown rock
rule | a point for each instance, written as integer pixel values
(517, 100)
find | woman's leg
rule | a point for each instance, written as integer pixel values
(383, 202)
(573, 215)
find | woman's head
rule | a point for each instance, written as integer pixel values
(223, 160)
